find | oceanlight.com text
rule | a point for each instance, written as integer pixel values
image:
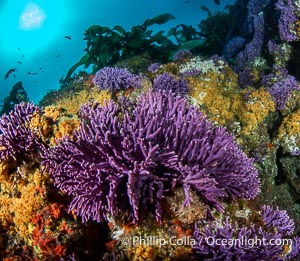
(251, 242)
(211, 241)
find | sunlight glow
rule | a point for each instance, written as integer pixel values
(32, 17)
(31, 27)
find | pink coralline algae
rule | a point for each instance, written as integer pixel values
(124, 162)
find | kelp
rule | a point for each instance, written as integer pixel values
(159, 19)
(183, 33)
(107, 46)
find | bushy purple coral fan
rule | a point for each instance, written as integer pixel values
(182, 54)
(251, 52)
(153, 67)
(116, 79)
(275, 48)
(254, 48)
(168, 82)
(229, 241)
(124, 162)
(279, 74)
(254, 7)
(281, 90)
(16, 137)
(287, 20)
(279, 219)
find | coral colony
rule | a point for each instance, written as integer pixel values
(276, 224)
(185, 149)
(167, 81)
(17, 139)
(112, 166)
(116, 79)
(182, 55)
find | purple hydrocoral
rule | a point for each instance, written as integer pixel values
(281, 90)
(17, 138)
(168, 82)
(277, 49)
(279, 219)
(128, 161)
(229, 241)
(287, 20)
(153, 67)
(279, 74)
(116, 79)
(251, 52)
(254, 8)
(233, 47)
(254, 48)
(182, 54)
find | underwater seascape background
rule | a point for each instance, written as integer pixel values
(150, 130)
(41, 47)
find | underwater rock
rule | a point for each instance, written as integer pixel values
(16, 96)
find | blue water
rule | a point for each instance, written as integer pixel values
(32, 35)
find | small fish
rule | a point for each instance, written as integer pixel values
(217, 2)
(32, 73)
(9, 72)
(19, 62)
(58, 55)
(68, 37)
